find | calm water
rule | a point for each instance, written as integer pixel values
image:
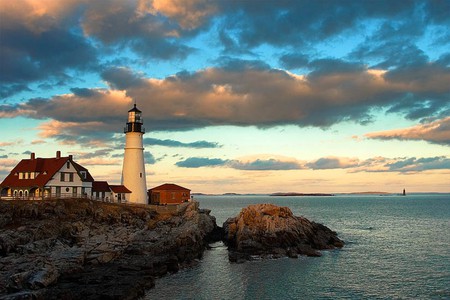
(396, 248)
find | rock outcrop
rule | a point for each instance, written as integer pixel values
(81, 249)
(266, 230)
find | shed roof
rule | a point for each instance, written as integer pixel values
(169, 187)
(119, 189)
(100, 186)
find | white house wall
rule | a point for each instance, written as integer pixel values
(77, 182)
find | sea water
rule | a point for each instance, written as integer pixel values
(396, 247)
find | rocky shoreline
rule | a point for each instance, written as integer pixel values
(82, 249)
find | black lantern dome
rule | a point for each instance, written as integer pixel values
(134, 123)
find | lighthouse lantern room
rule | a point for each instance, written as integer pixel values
(133, 171)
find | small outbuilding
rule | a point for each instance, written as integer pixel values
(169, 193)
(105, 192)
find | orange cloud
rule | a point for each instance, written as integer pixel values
(190, 14)
(38, 15)
(437, 132)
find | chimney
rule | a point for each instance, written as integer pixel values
(71, 157)
(33, 156)
(58, 154)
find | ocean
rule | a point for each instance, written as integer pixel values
(397, 247)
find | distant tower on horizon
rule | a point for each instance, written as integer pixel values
(133, 170)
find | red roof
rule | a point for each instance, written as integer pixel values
(80, 168)
(169, 187)
(119, 189)
(46, 167)
(100, 186)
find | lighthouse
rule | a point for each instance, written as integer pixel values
(133, 170)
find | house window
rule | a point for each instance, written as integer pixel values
(62, 177)
(173, 195)
(74, 191)
(71, 177)
(58, 191)
(26, 175)
(68, 165)
(20, 175)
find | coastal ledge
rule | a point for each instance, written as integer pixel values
(82, 249)
(270, 231)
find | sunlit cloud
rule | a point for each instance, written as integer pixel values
(437, 132)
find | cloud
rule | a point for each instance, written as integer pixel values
(101, 153)
(3, 144)
(333, 163)
(198, 162)
(149, 158)
(437, 132)
(265, 165)
(137, 25)
(352, 165)
(419, 164)
(189, 14)
(99, 161)
(37, 44)
(300, 24)
(333, 92)
(258, 164)
(6, 165)
(176, 144)
(38, 142)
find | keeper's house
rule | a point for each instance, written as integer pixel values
(169, 193)
(57, 177)
(38, 178)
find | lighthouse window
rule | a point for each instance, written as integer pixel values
(131, 116)
(140, 174)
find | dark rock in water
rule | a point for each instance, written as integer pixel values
(270, 231)
(81, 249)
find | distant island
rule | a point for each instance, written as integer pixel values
(299, 194)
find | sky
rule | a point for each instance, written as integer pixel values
(254, 96)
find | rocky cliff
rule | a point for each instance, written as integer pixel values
(81, 249)
(266, 230)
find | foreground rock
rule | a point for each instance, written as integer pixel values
(81, 249)
(266, 230)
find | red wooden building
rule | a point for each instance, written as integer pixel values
(169, 193)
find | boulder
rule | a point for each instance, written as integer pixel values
(270, 231)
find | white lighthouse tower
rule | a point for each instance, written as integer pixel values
(133, 171)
